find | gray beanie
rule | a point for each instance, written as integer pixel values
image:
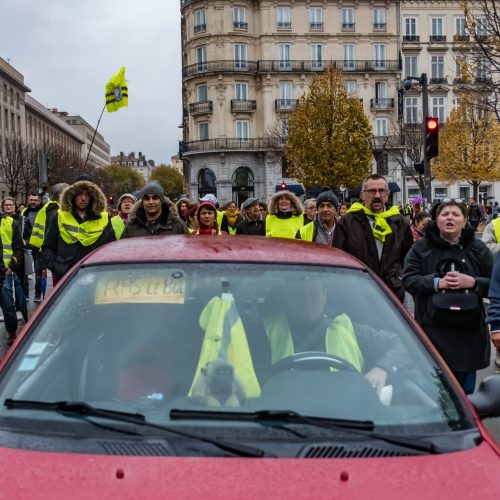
(152, 188)
(327, 196)
(126, 195)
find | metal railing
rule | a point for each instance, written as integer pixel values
(201, 107)
(458, 37)
(411, 38)
(238, 25)
(244, 105)
(437, 80)
(437, 38)
(284, 25)
(261, 143)
(348, 26)
(382, 103)
(379, 26)
(386, 142)
(230, 66)
(200, 28)
(285, 104)
(316, 26)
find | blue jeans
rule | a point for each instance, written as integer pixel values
(7, 303)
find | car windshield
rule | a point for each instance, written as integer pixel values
(149, 338)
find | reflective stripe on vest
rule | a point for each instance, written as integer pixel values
(118, 226)
(38, 233)
(496, 227)
(225, 338)
(86, 233)
(307, 232)
(340, 339)
(283, 228)
(6, 237)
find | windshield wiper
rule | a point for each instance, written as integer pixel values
(81, 408)
(360, 427)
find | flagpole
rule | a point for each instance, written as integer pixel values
(95, 132)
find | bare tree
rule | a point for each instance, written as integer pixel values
(13, 157)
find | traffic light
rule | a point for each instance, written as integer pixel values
(432, 137)
(283, 186)
(111, 199)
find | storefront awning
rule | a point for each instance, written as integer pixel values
(394, 187)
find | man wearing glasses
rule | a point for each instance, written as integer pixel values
(376, 234)
(153, 214)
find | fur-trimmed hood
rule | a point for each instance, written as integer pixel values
(98, 202)
(137, 213)
(273, 203)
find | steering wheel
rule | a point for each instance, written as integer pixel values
(312, 360)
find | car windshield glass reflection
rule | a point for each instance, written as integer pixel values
(150, 338)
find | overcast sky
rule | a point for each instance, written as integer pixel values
(68, 50)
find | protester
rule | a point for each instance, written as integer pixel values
(309, 210)
(233, 216)
(183, 205)
(285, 215)
(125, 205)
(417, 227)
(222, 221)
(474, 213)
(378, 236)
(448, 272)
(207, 219)
(154, 214)
(253, 224)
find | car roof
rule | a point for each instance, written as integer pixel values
(219, 249)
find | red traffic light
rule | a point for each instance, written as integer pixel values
(283, 186)
(432, 124)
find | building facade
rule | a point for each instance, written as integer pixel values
(246, 63)
(138, 163)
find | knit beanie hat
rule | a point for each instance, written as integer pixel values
(126, 195)
(327, 196)
(152, 188)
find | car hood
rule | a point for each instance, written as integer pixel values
(467, 474)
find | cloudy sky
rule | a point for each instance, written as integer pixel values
(68, 50)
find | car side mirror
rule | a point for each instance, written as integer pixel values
(486, 399)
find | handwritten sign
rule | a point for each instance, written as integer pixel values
(165, 287)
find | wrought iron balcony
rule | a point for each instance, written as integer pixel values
(243, 105)
(386, 142)
(411, 38)
(459, 37)
(200, 28)
(316, 26)
(201, 107)
(437, 38)
(285, 105)
(284, 25)
(230, 144)
(485, 79)
(379, 26)
(382, 103)
(230, 66)
(238, 25)
(437, 81)
(348, 26)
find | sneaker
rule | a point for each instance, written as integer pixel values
(37, 298)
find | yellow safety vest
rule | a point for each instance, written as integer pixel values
(307, 232)
(6, 232)
(283, 228)
(225, 337)
(38, 233)
(340, 339)
(496, 227)
(86, 233)
(118, 226)
(220, 216)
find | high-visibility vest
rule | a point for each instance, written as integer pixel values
(232, 230)
(283, 228)
(85, 233)
(6, 232)
(220, 216)
(38, 233)
(307, 232)
(340, 339)
(118, 226)
(496, 227)
(225, 338)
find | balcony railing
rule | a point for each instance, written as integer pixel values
(201, 107)
(200, 28)
(238, 25)
(382, 103)
(458, 37)
(226, 144)
(411, 38)
(437, 81)
(243, 105)
(316, 26)
(285, 105)
(284, 25)
(295, 66)
(386, 142)
(437, 38)
(483, 79)
(379, 26)
(348, 26)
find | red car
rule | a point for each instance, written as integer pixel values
(235, 367)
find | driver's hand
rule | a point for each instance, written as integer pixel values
(377, 378)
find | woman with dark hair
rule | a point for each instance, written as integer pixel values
(207, 219)
(233, 216)
(448, 274)
(183, 205)
(418, 225)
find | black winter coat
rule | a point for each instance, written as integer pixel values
(467, 347)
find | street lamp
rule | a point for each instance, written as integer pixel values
(407, 85)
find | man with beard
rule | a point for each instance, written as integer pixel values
(321, 229)
(375, 234)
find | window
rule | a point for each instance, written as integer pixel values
(380, 95)
(351, 87)
(202, 92)
(242, 129)
(316, 18)
(380, 127)
(241, 91)
(200, 22)
(411, 110)
(440, 192)
(283, 18)
(410, 26)
(464, 192)
(437, 68)
(411, 66)
(317, 56)
(460, 28)
(285, 56)
(438, 108)
(348, 19)
(437, 27)
(348, 56)
(240, 18)
(460, 69)
(201, 57)
(379, 55)
(481, 27)
(240, 56)
(286, 89)
(483, 72)
(379, 18)
(203, 131)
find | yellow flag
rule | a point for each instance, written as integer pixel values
(117, 92)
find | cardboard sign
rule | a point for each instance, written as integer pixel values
(124, 287)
